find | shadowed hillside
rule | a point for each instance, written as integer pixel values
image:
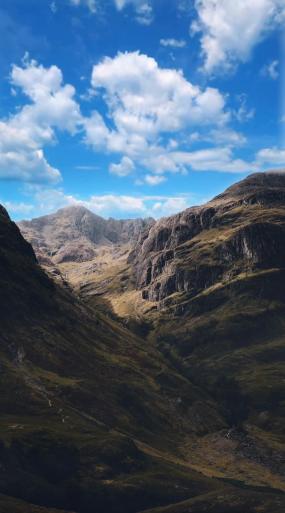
(81, 403)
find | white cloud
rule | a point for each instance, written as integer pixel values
(154, 179)
(271, 157)
(47, 200)
(146, 106)
(153, 116)
(271, 70)
(23, 135)
(210, 159)
(14, 208)
(173, 43)
(53, 103)
(170, 206)
(227, 136)
(109, 203)
(230, 29)
(26, 165)
(146, 100)
(124, 168)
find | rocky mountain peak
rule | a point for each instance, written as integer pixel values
(74, 233)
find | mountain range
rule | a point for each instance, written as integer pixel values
(142, 362)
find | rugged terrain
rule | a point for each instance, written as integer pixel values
(74, 234)
(150, 375)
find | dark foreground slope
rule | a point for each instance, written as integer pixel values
(91, 417)
(81, 404)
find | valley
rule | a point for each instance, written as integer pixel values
(145, 361)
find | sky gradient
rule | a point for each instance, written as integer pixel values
(137, 108)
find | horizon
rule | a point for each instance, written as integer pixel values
(137, 109)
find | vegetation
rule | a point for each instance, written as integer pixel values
(111, 403)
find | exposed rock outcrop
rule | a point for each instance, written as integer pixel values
(241, 229)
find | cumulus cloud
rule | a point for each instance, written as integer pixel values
(53, 103)
(230, 29)
(170, 206)
(23, 135)
(154, 116)
(146, 106)
(154, 179)
(124, 168)
(26, 165)
(219, 159)
(271, 157)
(146, 100)
(227, 136)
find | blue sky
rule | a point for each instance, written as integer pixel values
(137, 107)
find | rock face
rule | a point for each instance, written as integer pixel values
(240, 230)
(74, 233)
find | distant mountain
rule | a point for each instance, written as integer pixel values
(74, 233)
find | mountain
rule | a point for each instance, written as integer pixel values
(153, 381)
(241, 230)
(74, 234)
(91, 416)
(216, 274)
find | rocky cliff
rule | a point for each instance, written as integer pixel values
(238, 231)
